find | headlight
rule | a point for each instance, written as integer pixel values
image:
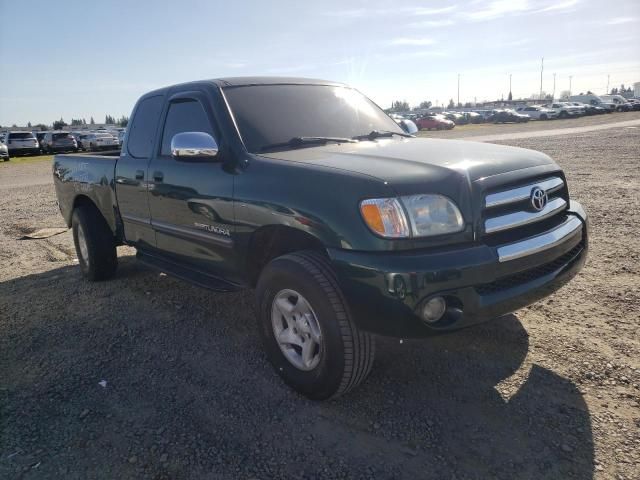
(412, 216)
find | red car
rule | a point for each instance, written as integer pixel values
(438, 122)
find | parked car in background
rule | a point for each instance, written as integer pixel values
(39, 137)
(407, 125)
(455, 117)
(21, 143)
(100, 141)
(473, 117)
(485, 114)
(619, 101)
(508, 116)
(594, 100)
(121, 136)
(434, 121)
(4, 152)
(589, 109)
(59, 141)
(537, 112)
(564, 110)
(82, 141)
(635, 103)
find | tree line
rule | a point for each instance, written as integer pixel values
(75, 122)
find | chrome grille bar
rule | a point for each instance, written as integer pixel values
(522, 193)
(540, 243)
(518, 219)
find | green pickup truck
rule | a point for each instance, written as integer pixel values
(345, 224)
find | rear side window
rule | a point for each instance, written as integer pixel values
(143, 127)
(184, 116)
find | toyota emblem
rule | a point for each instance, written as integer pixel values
(538, 198)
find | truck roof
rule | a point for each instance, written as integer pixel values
(245, 81)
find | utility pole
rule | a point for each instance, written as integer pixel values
(511, 94)
(607, 92)
(458, 90)
(554, 87)
(570, 77)
(541, 70)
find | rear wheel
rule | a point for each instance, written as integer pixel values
(94, 242)
(543, 116)
(307, 330)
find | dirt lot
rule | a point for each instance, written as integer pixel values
(551, 392)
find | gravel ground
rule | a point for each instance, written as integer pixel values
(148, 377)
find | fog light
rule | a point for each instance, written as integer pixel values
(434, 309)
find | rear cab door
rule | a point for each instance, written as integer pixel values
(131, 176)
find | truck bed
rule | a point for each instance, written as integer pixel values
(79, 175)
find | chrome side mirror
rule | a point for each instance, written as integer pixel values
(194, 147)
(409, 126)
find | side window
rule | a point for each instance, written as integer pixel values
(184, 116)
(143, 127)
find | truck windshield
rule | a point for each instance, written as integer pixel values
(274, 114)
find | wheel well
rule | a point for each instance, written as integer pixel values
(83, 200)
(273, 241)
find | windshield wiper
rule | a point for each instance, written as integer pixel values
(372, 135)
(302, 141)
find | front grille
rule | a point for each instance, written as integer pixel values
(508, 213)
(526, 276)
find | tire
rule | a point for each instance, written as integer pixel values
(94, 242)
(543, 117)
(343, 356)
(563, 114)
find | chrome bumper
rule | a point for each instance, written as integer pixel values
(565, 232)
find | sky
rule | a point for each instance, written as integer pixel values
(77, 59)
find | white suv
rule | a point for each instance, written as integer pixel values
(100, 141)
(537, 112)
(21, 143)
(564, 110)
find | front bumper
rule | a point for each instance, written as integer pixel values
(386, 291)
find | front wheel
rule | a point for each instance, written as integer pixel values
(94, 242)
(307, 329)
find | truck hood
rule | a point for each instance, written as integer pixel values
(403, 163)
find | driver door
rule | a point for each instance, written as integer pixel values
(191, 202)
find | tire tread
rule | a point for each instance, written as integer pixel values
(359, 346)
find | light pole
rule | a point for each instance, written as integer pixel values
(458, 89)
(510, 94)
(607, 92)
(570, 78)
(554, 87)
(541, 70)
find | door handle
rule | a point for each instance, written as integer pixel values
(158, 176)
(139, 174)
